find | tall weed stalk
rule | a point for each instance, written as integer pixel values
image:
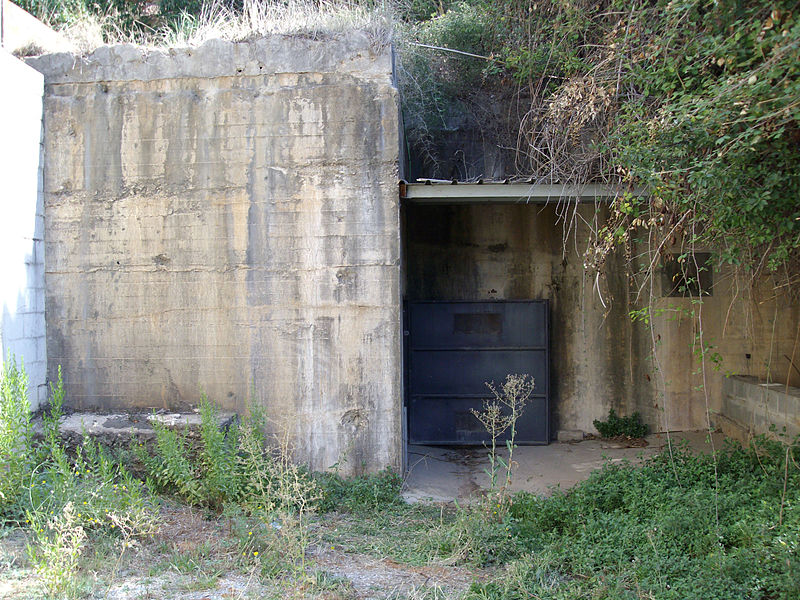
(482, 533)
(500, 414)
(15, 438)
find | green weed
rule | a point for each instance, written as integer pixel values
(500, 415)
(630, 426)
(480, 534)
(59, 542)
(237, 472)
(65, 499)
(361, 494)
(15, 438)
(233, 466)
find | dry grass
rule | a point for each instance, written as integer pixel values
(196, 556)
(316, 19)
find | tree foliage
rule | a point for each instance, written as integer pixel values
(697, 102)
(714, 131)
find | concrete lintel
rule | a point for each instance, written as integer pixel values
(499, 193)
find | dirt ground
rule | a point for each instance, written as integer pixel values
(190, 559)
(443, 474)
(194, 556)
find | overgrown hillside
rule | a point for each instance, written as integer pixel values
(696, 102)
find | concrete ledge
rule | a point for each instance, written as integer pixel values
(120, 429)
(354, 53)
(731, 429)
(570, 435)
(751, 407)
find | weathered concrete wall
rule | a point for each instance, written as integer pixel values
(226, 218)
(748, 328)
(600, 358)
(22, 323)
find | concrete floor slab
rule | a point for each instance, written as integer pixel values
(444, 474)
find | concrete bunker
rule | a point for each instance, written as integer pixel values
(226, 218)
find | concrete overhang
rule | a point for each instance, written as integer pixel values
(448, 192)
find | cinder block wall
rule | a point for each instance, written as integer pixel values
(753, 407)
(225, 218)
(22, 322)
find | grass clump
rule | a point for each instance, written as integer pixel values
(616, 426)
(361, 494)
(479, 535)
(60, 541)
(88, 24)
(77, 499)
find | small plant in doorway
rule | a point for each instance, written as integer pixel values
(481, 533)
(499, 416)
(624, 427)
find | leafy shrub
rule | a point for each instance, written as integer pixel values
(170, 466)
(232, 466)
(238, 472)
(679, 526)
(694, 102)
(615, 425)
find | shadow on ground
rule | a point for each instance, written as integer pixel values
(444, 474)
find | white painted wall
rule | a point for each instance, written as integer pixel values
(22, 324)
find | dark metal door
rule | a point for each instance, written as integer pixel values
(454, 348)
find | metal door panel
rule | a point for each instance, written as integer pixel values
(458, 372)
(454, 348)
(450, 421)
(483, 324)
